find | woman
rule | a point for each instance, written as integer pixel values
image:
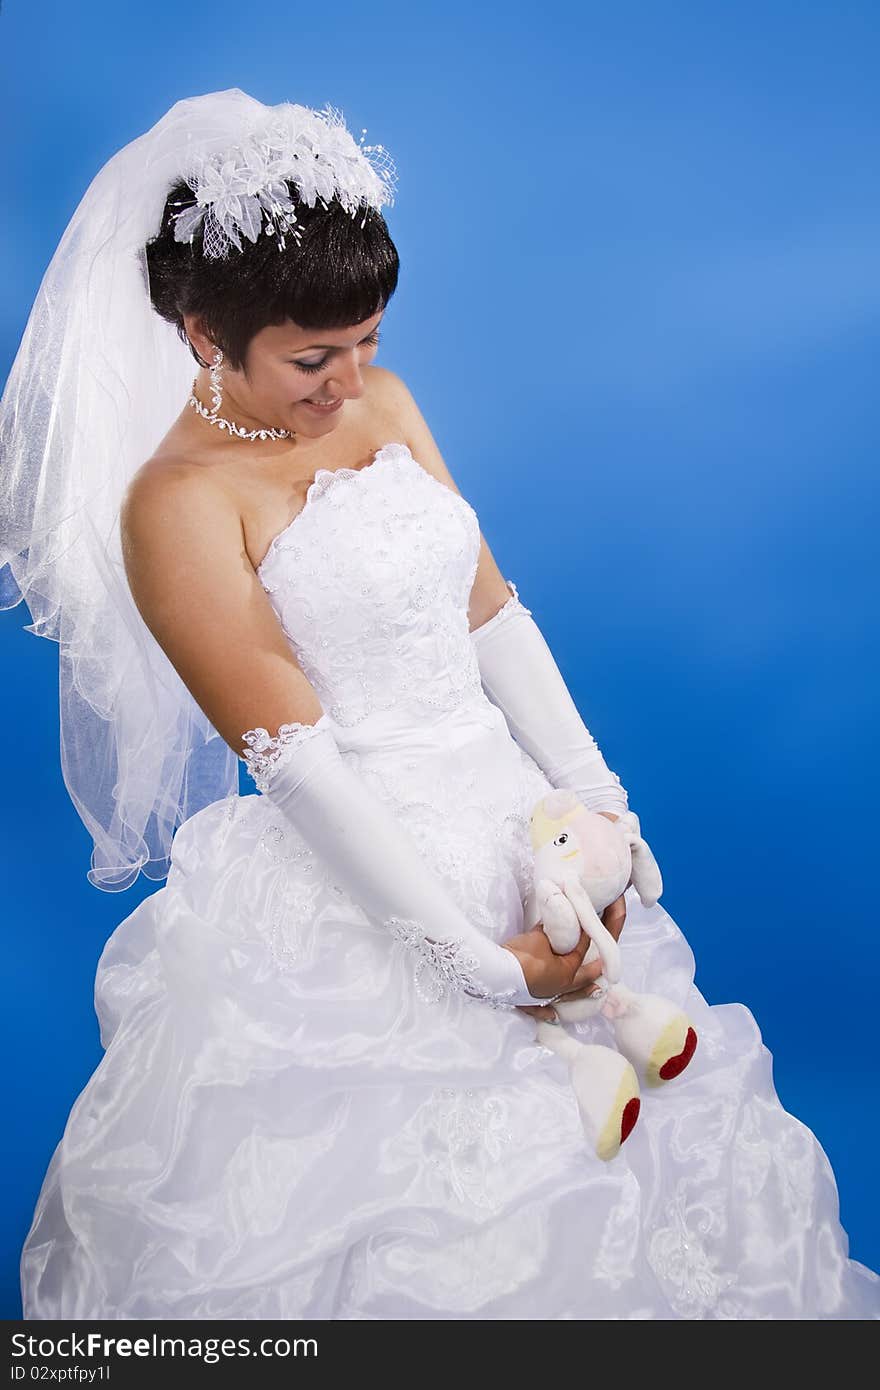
(321, 1094)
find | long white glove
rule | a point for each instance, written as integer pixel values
(520, 676)
(370, 855)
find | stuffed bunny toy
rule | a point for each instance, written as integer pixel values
(583, 862)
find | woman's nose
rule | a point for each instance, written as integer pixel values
(348, 379)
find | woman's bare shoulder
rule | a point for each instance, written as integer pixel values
(183, 464)
(176, 495)
(400, 405)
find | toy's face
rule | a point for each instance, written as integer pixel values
(559, 856)
(566, 845)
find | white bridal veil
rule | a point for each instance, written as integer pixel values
(97, 381)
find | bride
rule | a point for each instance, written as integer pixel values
(322, 1094)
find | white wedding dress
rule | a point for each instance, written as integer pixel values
(293, 1119)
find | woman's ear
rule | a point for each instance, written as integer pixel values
(195, 331)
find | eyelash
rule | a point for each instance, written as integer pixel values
(370, 341)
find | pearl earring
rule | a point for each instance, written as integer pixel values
(216, 381)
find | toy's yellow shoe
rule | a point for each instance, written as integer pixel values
(605, 1085)
(672, 1051)
(621, 1117)
(657, 1037)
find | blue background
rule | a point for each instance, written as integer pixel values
(639, 309)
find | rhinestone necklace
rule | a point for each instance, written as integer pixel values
(214, 419)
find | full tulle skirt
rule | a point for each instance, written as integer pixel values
(286, 1123)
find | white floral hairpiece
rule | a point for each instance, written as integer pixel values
(238, 187)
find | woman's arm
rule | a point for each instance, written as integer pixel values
(489, 590)
(198, 593)
(518, 671)
(194, 585)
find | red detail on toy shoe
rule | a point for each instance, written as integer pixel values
(629, 1117)
(678, 1064)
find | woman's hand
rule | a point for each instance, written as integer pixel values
(548, 974)
(614, 916)
(613, 919)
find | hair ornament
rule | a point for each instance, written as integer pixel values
(243, 190)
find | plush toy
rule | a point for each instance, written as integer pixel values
(583, 862)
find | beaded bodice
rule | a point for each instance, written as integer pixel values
(371, 583)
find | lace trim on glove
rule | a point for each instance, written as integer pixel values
(513, 605)
(266, 753)
(444, 964)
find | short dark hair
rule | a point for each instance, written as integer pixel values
(342, 271)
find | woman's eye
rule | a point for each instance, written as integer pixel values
(370, 341)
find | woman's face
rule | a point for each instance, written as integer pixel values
(289, 366)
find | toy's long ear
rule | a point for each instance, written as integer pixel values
(595, 928)
(646, 878)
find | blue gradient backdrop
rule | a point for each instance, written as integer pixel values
(640, 309)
